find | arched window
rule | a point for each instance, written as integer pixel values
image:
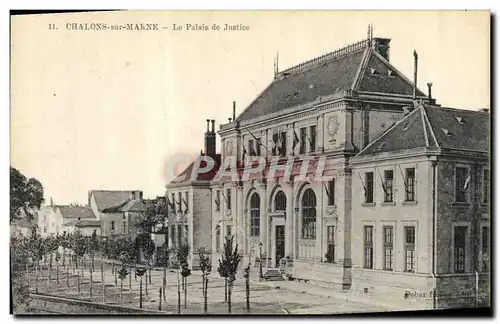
(309, 215)
(255, 215)
(280, 201)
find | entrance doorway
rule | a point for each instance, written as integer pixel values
(280, 243)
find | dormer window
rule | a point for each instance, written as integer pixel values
(460, 120)
(406, 125)
(390, 73)
(373, 71)
(446, 132)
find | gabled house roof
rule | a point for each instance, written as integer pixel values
(71, 212)
(88, 223)
(357, 67)
(111, 198)
(429, 126)
(185, 176)
(128, 205)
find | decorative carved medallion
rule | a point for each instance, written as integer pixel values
(333, 128)
(229, 148)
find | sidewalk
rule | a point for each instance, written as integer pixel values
(376, 303)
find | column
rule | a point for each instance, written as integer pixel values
(241, 228)
(289, 228)
(318, 250)
(264, 220)
(320, 134)
(345, 226)
(289, 140)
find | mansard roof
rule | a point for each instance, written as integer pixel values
(184, 178)
(430, 126)
(357, 67)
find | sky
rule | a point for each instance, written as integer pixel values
(95, 109)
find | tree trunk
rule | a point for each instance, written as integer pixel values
(28, 275)
(229, 298)
(130, 280)
(93, 264)
(178, 293)
(225, 290)
(37, 265)
(247, 288)
(102, 281)
(164, 284)
(67, 275)
(64, 257)
(140, 293)
(121, 291)
(90, 283)
(205, 306)
(150, 274)
(57, 272)
(116, 278)
(159, 299)
(146, 281)
(78, 278)
(185, 292)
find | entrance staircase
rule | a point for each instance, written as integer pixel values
(273, 274)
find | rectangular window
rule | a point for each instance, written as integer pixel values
(186, 233)
(368, 247)
(172, 230)
(282, 148)
(303, 139)
(112, 225)
(173, 203)
(312, 130)
(217, 200)
(410, 185)
(179, 202)
(459, 248)
(257, 147)
(250, 148)
(179, 235)
(410, 248)
(485, 246)
(124, 227)
(228, 231)
(217, 240)
(331, 192)
(388, 247)
(186, 194)
(228, 197)
(486, 186)
(369, 187)
(461, 183)
(330, 241)
(388, 185)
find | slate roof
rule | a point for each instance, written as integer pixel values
(185, 176)
(348, 68)
(76, 212)
(88, 223)
(435, 127)
(110, 198)
(128, 205)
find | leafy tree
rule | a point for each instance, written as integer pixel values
(25, 194)
(153, 217)
(128, 253)
(182, 256)
(163, 261)
(206, 268)
(122, 275)
(229, 265)
(147, 247)
(93, 248)
(79, 244)
(19, 256)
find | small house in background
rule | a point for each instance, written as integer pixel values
(72, 215)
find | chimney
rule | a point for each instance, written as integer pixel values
(381, 46)
(208, 125)
(229, 119)
(234, 110)
(429, 91)
(139, 195)
(415, 69)
(210, 138)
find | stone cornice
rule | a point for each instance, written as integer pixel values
(397, 155)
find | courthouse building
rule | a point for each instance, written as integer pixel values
(391, 214)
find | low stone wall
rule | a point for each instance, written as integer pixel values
(58, 305)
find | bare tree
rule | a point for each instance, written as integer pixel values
(206, 268)
(229, 265)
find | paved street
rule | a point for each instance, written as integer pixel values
(278, 297)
